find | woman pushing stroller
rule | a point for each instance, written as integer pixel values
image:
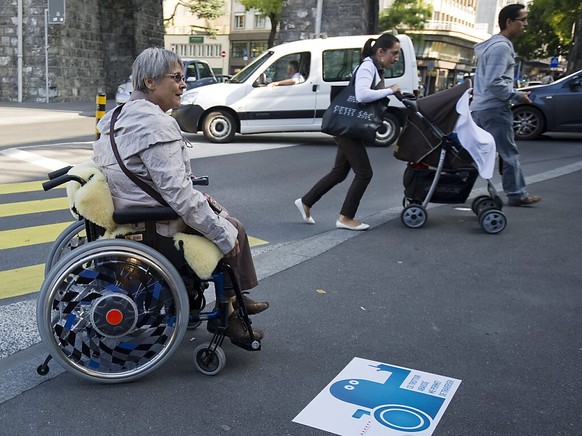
(377, 55)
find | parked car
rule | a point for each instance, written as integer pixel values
(124, 92)
(221, 78)
(554, 108)
(246, 104)
(196, 73)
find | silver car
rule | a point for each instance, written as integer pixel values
(124, 92)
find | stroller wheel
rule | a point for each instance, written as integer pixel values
(477, 201)
(492, 221)
(413, 216)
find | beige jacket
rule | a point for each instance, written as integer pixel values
(152, 147)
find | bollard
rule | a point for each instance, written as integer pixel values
(99, 112)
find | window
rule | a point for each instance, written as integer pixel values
(239, 50)
(239, 21)
(338, 65)
(278, 70)
(198, 50)
(259, 21)
(257, 48)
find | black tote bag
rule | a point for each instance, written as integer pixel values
(346, 117)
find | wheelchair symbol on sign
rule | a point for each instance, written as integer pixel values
(390, 404)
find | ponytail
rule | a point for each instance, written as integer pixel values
(385, 41)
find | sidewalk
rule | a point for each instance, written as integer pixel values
(34, 112)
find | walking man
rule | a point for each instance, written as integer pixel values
(493, 93)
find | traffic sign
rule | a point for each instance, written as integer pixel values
(56, 11)
(223, 54)
(554, 62)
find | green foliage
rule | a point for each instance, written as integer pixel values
(266, 7)
(269, 8)
(549, 30)
(207, 9)
(409, 14)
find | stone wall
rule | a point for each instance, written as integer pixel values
(91, 53)
(339, 18)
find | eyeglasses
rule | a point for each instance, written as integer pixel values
(177, 77)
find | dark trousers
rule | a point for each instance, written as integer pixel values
(351, 154)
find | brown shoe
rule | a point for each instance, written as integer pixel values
(236, 330)
(526, 201)
(253, 307)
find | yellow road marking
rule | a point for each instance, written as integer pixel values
(17, 188)
(27, 280)
(34, 206)
(31, 235)
(255, 242)
(21, 281)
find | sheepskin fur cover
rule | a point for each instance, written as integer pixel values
(201, 254)
(93, 200)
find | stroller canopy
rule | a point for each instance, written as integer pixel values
(417, 141)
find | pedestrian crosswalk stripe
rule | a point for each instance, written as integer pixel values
(21, 281)
(28, 279)
(255, 242)
(27, 236)
(18, 188)
(35, 206)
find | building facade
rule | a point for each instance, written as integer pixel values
(88, 52)
(444, 48)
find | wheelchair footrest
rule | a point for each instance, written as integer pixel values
(249, 346)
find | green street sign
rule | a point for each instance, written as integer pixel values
(196, 39)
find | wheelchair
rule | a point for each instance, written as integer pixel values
(114, 307)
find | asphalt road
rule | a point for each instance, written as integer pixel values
(499, 312)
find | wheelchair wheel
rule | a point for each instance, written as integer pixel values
(71, 238)
(112, 311)
(209, 361)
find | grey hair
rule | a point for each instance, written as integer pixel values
(153, 63)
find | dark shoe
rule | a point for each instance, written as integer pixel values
(236, 330)
(253, 307)
(526, 201)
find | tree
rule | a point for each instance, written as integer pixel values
(550, 31)
(409, 14)
(206, 10)
(268, 8)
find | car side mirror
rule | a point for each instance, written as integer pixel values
(575, 83)
(191, 79)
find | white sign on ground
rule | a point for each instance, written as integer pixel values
(373, 398)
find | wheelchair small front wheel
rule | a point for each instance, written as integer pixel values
(209, 361)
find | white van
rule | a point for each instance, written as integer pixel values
(247, 104)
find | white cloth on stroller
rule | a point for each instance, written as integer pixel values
(479, 143)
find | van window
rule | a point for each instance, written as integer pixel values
(247, 71)
(278, 69)
(339, 64)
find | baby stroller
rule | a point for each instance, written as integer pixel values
(446, 152)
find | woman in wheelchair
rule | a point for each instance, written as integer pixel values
(150, 146)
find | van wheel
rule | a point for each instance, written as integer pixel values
(219, 126)
(388, 133)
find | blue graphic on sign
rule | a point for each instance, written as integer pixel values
(554, 62)
(390, 404)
